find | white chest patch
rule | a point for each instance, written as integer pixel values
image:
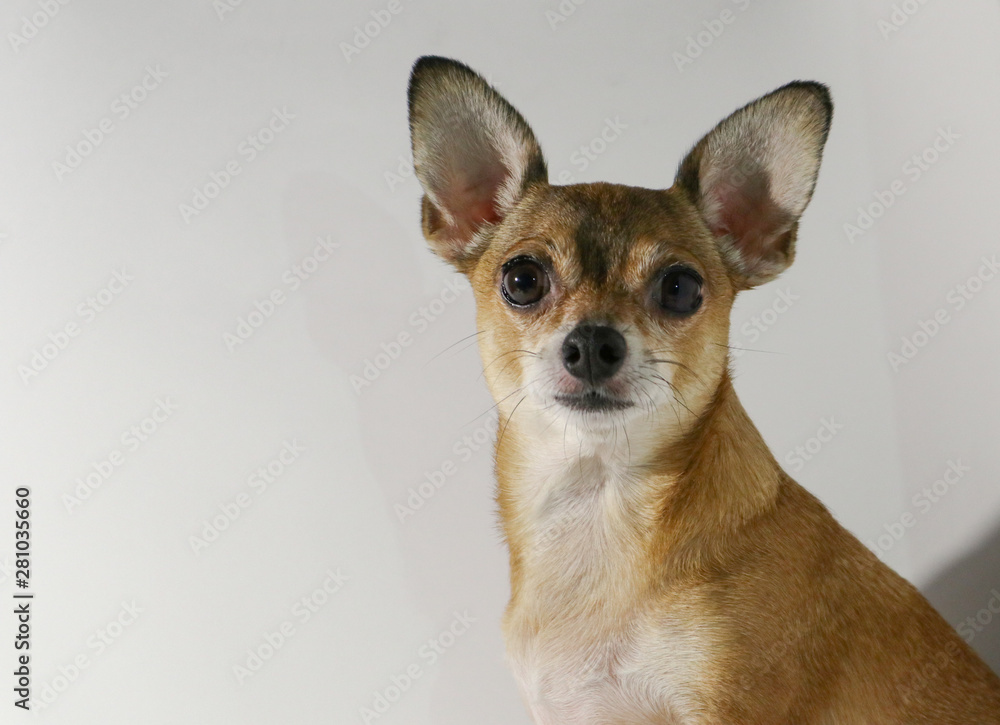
(566, 679)
(583, 644)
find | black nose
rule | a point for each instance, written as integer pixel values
(593, 353)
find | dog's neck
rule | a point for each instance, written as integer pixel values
(616, 514)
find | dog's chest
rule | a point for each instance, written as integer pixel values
(582, 641)
(583, 676)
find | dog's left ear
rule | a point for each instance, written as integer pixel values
(752, 176)
(474, 155)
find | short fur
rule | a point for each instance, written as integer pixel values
(664, 568)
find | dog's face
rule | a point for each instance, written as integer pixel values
(601, 304)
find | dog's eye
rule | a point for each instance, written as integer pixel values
(524, 282)
(679, 291)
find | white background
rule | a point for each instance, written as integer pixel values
(334, 171)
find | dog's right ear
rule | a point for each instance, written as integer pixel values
(473, 153)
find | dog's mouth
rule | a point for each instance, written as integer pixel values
(593, 401)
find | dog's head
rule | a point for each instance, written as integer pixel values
(601, 303)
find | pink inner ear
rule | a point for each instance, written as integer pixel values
(483, 211)
(473, 202)
(749, 214)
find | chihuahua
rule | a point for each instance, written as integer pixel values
(663, 567)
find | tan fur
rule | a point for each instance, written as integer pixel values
(664, 568)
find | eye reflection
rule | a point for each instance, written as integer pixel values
(679, 291)
(524, 282)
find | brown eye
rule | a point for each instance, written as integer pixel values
(524, 282)
(679, 291)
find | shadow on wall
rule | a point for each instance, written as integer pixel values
(967, 594)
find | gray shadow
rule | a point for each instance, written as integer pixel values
(967, 588)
